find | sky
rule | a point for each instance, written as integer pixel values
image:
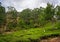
(23, 4)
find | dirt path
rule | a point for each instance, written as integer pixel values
(56, 39)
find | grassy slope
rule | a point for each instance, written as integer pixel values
(34, 33)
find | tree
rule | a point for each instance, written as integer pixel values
(2, 18)
(35, 17)
(58, 12)
(25, 17)
(49, 12)
(11, 18)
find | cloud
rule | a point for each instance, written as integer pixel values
(22, 4)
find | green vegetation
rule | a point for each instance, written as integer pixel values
(30, 34)
(29, 25)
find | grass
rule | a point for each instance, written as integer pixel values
(30, 34)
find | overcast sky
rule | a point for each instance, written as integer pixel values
(22, 4)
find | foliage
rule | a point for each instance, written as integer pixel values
(30, 34)
(35, 23)
(28, 18)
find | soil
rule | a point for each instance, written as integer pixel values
(55, 39)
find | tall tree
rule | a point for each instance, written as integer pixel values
(49, 12)
(11, 18)
(25, 17)
(58, 12)
(2, 17)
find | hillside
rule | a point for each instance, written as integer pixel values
(31, 35)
